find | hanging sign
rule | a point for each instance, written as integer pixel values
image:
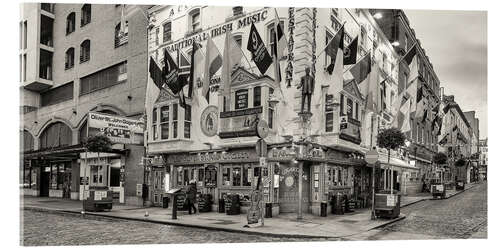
(118, 129)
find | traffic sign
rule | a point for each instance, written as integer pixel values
(371, 156)
(261, 147)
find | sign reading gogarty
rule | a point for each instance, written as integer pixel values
(118, 129)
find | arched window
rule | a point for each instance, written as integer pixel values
(27, 141)
(194, 20)
(121, 34)
(70, 23)
(85, 51)
(70, 58)
(86, 14)
(56, 135)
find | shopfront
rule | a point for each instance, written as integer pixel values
(103, 170)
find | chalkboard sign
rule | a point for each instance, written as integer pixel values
(181, 202)
(241, 99)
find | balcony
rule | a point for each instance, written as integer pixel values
(43, 80)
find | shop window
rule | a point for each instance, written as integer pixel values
(210, 176)
(247, 179)
(98, 175)
(175, 108)
(179, 176)
(164, 121)
(154, 123)
(336, 176)
(201, 174)
(186, 176)
(187, 121)
(70, 23)
(236, 176)
(226, 174)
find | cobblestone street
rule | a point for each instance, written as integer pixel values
(459, 217)
(52, 229)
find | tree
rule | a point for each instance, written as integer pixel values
(440, 158)
(390, 139)
(98, 143)
(460, 162)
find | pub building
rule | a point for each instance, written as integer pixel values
(216, 146)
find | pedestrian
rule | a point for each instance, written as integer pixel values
(191, 196)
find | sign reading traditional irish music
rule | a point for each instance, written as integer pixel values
(118, 129)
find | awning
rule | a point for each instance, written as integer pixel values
(396, 162)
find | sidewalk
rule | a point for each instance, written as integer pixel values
(412, 199)
(284, 225)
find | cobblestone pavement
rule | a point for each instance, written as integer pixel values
(459, 217)
(42, 228)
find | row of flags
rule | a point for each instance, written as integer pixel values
(172, 78)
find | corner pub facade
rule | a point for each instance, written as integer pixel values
(214, 146)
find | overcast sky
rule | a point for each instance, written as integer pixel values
(456, 43)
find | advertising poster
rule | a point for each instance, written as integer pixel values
(240, 123)
(118, 129)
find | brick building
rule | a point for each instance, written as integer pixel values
(74, 60)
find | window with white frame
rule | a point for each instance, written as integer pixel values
(164, 121)
(175, 117)
(187, 122)
(328, 113)
(167, 31)
(328, 59)
(271, 36)
(194, 20)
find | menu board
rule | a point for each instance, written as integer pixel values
(241, 99)
(180, 201)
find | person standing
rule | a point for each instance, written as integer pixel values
(191, 196)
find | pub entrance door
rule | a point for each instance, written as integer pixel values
(289, 188)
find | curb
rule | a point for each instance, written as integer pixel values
(233, 230)
(171, 223)
(411, 203)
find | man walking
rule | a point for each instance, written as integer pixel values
(191, 196)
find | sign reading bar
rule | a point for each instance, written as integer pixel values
(118, 129)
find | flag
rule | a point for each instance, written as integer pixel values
(421, 108)
(372, 86)
(406, 127)
(351, 52)
(281, 43)
(362, 69)
(332, 48)
(171, 73)
(213, 62)
(195, 71)
(411, 59)
(231, 56)
(122, 22)
(412, 92)
(153, 87)
(259, 52)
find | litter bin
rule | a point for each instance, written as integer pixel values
(222, 205)
(269, 210)
(165, 201)
(323, 209)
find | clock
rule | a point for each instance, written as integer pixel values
(262, 129)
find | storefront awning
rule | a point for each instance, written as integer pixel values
(396, 162)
